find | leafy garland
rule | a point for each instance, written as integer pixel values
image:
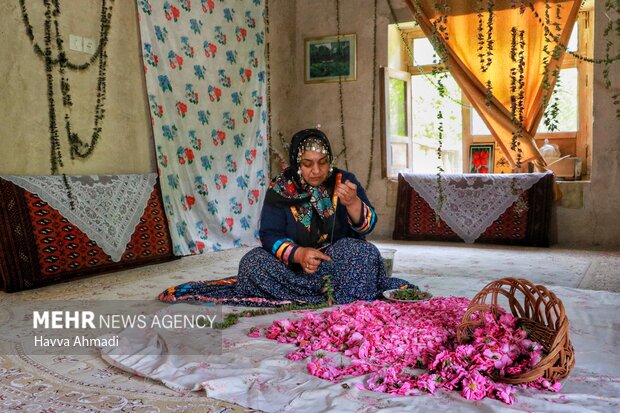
(343, 152)
(41, 52)
(552, 31)
(436, 78)
(517, 93)
(374, 95)
(268, 70)
(428, 77)
(438, 37)
(550, 119)
(78, 148)
(485, 48)
(441, 197)
(610, 5)
(609, 28)
(233, 318)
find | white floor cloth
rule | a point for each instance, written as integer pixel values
(254, 372)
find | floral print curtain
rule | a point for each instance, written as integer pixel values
(204, 62)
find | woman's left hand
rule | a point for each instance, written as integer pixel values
(347, 193)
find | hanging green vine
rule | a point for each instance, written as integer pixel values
(233, 318)
(438, 38)
(609, 28)
(612, 28)
(612, 6)
(55, 153)
(485, 45)
(555, 38)
(65, 181)
(550, 122)
(428, 77)
(374, 95)
(517, 92)
(328, 290)
(41, 52)
(343, 152)
(268, 70)
(78, 148)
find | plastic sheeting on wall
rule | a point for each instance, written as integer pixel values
(204, 62)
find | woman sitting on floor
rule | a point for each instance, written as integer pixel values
(313, 224)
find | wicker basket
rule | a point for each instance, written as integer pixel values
(540, 313)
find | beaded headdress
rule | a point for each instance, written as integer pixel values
(315, 145)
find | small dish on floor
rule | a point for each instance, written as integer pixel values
(407, 295)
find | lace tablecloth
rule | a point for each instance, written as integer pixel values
(107, 208)
(471, 201)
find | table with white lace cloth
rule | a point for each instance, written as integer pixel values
(115, 222)
(471, 202)
(106, 208)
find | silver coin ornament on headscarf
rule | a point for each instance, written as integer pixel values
(314, 145)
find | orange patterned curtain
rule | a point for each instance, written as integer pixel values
(510, 19)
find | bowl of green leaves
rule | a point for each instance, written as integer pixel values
(407, 295)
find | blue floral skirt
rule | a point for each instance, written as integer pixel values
(356, 272)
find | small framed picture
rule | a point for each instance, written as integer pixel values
(481, 158)
(330, 58)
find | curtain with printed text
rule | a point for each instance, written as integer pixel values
(204, 62)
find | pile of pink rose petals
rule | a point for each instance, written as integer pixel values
(387, 340)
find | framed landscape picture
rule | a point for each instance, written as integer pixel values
(481, 158)
(330, 58)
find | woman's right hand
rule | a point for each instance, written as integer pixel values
(310, 258)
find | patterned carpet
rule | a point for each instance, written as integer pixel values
(84, 383)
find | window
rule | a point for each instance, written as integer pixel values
(411, 104)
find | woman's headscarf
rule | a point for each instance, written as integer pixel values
(288, 186)
(313, 204)
(308, 139)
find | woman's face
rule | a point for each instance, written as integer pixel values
(314, 167)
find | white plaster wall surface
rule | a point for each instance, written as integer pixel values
(126, 143)
(282, 68)
(598, 222)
